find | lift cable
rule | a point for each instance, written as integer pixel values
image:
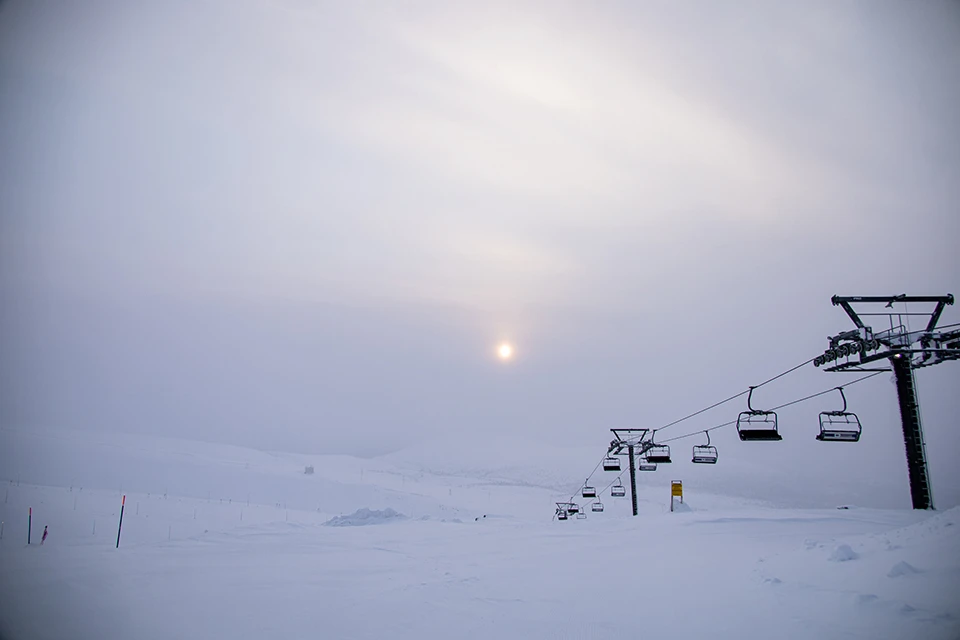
(725, 424)
(734, 397)
(782, 406)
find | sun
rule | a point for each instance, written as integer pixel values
(505, 351)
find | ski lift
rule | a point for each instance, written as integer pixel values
(657, 453)
(573, 508)
(644, 464)
(562, 515)
(618, 490)
(839, 426)
(589, 492)
(597, 507)
(757, 424)
(581, 516)
(611, 463)
(705, 453)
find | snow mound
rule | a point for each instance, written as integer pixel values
(365, 516)
(902, 569)
(843, 553)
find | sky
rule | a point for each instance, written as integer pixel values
(306, 226)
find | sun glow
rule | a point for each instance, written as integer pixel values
(505, 351)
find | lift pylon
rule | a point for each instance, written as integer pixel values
(905, 349)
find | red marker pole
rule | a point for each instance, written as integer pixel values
(29, 523)
(120, 526)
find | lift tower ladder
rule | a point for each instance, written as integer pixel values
(906, 350)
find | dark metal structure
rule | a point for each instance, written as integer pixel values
(634, 443)
(658, 453)
(839, 426)
(705, 453)
(757, 424)
(906, 350)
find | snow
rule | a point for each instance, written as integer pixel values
(843, 553)
(366, 516)
(224, 542)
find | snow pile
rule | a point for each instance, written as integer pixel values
(902, 568)
(365, 516)
(843, 553)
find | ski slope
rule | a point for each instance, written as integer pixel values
(226, 542)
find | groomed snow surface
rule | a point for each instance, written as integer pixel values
(223, 542)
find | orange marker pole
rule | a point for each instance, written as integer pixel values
(120, 526)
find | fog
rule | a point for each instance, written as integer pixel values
(307, 226)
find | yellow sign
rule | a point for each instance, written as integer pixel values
(676, 488)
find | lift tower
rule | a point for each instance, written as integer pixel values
(906, 350)
(634, 442)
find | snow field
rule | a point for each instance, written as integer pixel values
(418, 559)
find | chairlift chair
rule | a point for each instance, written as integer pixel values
(705, 453)
(562, 515)
(757, 424)
(581, 515)
(657, 453)
(611, 463)
(589, 492)
(573, 508)
(839, 426)
(596, 507)
(644, 464)
(618, 490)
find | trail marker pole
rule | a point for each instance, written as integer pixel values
(123, 502)
(1, 529)
(29, 523)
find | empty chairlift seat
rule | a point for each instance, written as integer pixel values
(611, 463)
(839, 426)
(705, 453)
(756, 424)
(644, 464)
(581, 516)
(618, 490)
(596, 507)
(657, 453)
(589, 492)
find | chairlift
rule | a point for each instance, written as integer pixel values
(596, 507)
(618, 490)
(562, 515)
(657, 453)
(573, 508)
(611, 463)
(589, 492)
(705, 453)
(839, 426)
(757, 424)
(644, 464)
(581, 516)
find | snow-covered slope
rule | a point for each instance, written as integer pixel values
(224, 542)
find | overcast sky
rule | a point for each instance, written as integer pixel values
(306, 226)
